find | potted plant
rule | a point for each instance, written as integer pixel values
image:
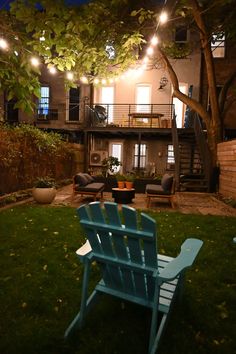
(120, 180)
(44, 190)
(129, 181)
(110, 165)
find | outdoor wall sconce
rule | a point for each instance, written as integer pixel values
(163, 82)
(160, 154)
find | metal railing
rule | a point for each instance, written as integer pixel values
(46, 114)
(131, 115)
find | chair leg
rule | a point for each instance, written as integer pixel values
(78, 320)
(148, 201)
(172, 202)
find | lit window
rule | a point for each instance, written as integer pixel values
(218, 45)
(43, 104)
(143, 155)
(170, 154)
(143, 98)
(107, 100)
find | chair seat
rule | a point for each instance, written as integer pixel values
(156, 189)
(91, 187)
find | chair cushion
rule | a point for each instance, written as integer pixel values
(90, 179)
(166, 182)
(156, 189)
(91, 187)
(80, 179)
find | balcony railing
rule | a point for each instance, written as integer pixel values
(130, 115)
(46, 114)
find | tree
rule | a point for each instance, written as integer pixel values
(216, 17)
(96, 39)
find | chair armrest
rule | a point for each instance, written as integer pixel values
(189, 251)
(84, 250)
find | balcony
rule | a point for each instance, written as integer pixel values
(129, 115)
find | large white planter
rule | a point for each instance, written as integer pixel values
(44, 195)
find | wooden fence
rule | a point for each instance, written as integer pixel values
(226, 153)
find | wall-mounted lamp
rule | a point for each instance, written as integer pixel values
(163, 82)
(160, 154)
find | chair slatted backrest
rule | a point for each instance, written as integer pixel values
(126, 253)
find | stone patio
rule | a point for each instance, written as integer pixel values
(186, 202)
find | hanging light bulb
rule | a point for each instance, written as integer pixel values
(150, 51)
(3, 43)
(35, 61)
(84, 79)
(70, 75)
(52, 70)
(163, 17)
(145, 60)
(154, 40)
(96, 81)
(104, 81)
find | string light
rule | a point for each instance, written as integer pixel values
(70, 76)
(34, 61)
(3, 43)
(52, 70)
(150, 51)
(154, 40)
(163, 17)
(84, 79)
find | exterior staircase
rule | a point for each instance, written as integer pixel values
(192, 158)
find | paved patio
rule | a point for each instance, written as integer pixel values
(186, 202)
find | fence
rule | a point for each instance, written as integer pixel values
(226, 153)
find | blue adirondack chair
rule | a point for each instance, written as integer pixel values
(130, 266)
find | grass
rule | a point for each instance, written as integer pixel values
(40, 284)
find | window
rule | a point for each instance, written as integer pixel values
(143, 155)
(107, 100)
(218, 45)
(74, 100)
(170, 157)
(10, 113)
(143, 98)
(181, 35)
(43, 104)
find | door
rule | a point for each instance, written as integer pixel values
(116, 150)
(180, 107)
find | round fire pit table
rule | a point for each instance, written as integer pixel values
(123, 195)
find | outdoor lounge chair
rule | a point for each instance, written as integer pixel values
(84, 184)
(165, 191)
(130, 267)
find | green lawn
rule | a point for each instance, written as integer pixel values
(40, 284)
